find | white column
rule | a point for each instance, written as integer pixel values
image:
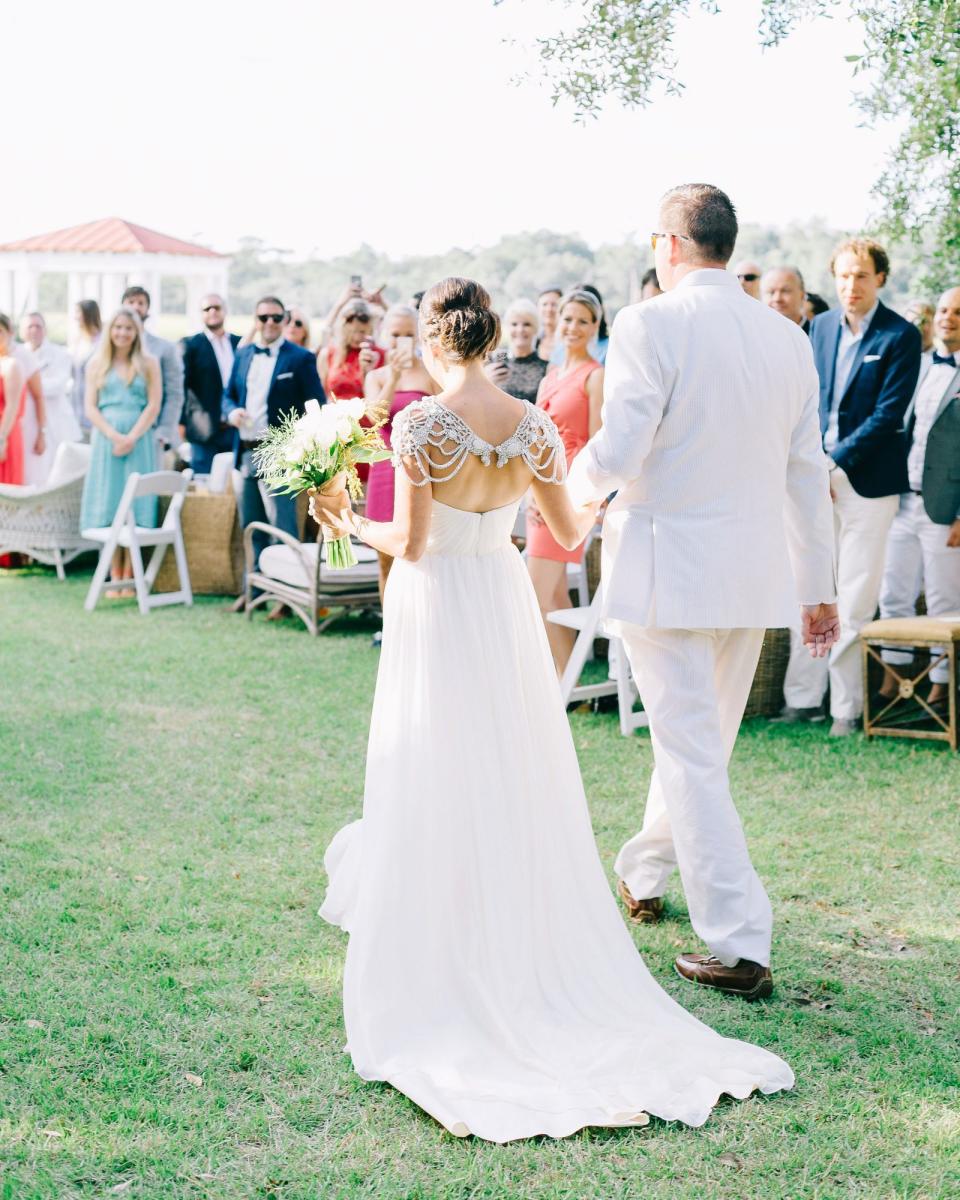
(74, 296)
(197, 288)
(91, 286)
(151, 280)
(6, 293)
(111, 289)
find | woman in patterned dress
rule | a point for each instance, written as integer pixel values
(524, 369)
(572, 393)
(122, 403)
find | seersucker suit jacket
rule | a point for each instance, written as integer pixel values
(710, 437)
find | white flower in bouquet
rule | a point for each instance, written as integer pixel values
(319, 451)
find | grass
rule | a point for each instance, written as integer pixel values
(170, 1003)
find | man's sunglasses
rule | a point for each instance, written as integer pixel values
(750, 277)
(357, 317)
(276, 318)
(653, 238)
(296, 321)
(213, 308)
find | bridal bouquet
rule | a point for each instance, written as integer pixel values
(319, 452)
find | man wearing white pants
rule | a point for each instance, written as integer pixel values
(720, 527)
(923, 550)
(867, 360)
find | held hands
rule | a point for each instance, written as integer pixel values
(123, 443)
(40, 445)
(820, 628)
(238, 418)
(333, 513)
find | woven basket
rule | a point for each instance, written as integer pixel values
(212, 536)
(766, 695)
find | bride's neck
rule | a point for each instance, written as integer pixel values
(458, 374)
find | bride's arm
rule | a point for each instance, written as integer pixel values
(568, 525)
(403, 537)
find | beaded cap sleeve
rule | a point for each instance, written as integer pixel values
(439, 441)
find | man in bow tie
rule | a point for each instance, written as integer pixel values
(923, 550)
(270, 378)
(868, 360)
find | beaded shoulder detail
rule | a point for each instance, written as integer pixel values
(440, 441)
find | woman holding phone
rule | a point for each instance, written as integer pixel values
(389, 389)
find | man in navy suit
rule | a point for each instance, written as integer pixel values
(207, 363)
(271, 377)
(868, 360)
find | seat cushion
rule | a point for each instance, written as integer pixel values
(945, 628)
(281, 562)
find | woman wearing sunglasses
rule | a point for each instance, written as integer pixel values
(344, 364)
(298, 328)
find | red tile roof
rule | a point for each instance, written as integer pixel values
(112, 235)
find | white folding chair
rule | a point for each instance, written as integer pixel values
(578, 579)
(126, 534)
(588, 625)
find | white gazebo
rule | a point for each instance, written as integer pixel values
(102, 258)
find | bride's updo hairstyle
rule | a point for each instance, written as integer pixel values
(456, 319)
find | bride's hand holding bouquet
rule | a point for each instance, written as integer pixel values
(318, 453)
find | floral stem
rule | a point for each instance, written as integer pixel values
(340, 554)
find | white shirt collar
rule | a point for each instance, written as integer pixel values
(864, 324)
(708, 276)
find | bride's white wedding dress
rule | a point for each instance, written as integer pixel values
(489, 974)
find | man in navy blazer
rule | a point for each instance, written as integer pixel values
(207, 364)
(868, 360)
(271, 377)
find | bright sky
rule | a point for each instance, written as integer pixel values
(317, 126)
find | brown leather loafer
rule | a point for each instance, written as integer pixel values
(641, 912)
(747, 979)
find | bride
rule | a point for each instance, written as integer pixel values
(489, 975)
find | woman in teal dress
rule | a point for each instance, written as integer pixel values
(122, 402)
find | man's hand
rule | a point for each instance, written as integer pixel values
(953, 537)
(237, 418)
(40, 445)
(820, 628)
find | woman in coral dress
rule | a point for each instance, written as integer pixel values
(11, 407)
(572, 395)
(389, 389)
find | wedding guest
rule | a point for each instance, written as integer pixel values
(521, 372)
(815, 305)
(598, 347)
(298, 328)
(389, 389)
(124, 389)
(353, 293)
(11, 406)
(171, 368)
(923, 549)
(548, 309)
(87, 331)
(270, 378)
(920, 313)
(650, 285)
(868, 360)
(344, 364)
(207, 359)
(749, 272)
(33, 417)
(572, 394)
(56, 376)
(782, 289)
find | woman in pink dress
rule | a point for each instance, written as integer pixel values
(11, 406)
(572, 394)
(389, 389)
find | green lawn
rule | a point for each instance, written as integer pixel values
(170, 1002)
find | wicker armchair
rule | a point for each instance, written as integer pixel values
(44, 521)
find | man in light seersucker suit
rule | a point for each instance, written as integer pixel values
(721, 527)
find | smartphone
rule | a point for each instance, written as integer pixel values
(498, 358)
(356, 281)
(405, 347)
